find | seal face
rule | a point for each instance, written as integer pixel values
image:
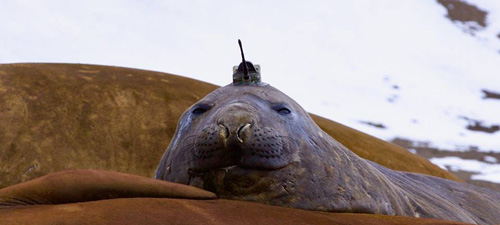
(234, 129)
(237, 134)
(255, 143)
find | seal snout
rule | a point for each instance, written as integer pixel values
(235, 122)
(238, 133)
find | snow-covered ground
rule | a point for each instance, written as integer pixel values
(400, 64)
(484, 171)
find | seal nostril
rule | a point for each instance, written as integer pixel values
(223, 132)
(242, 132)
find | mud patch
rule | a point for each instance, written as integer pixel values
(377, 125)
(490, 94)
(469, 17)
(477, 125)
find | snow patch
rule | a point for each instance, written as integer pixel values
(490, 159)
(484, 171)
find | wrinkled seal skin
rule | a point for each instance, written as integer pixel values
(254, 143)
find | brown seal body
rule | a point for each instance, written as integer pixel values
(254, 143)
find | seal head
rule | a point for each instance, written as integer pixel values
(249, 141)
(233, 130)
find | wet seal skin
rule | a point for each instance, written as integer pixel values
(254, 143)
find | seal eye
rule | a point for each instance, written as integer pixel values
(200, 109)
(283, 111)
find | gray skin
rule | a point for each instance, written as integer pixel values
(254, 143)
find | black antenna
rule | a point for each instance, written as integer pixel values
(245, 69)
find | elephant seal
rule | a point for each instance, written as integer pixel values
(252, 142)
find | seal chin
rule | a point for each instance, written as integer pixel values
(235, 180)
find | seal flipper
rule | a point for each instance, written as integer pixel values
(91, 185)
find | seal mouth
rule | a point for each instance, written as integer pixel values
(201, 172)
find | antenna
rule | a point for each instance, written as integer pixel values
(245, 70)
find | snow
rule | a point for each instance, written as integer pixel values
(492, 174)
(490, 159)
(338, 59)
(485, 171)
